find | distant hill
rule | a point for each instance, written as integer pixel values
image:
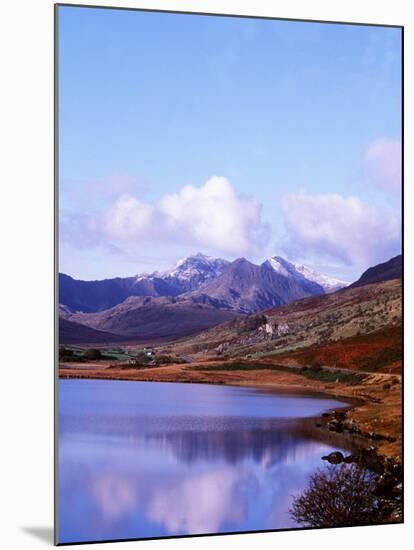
(78, 295)
(72, 333)
(142, 318)
(392, 269)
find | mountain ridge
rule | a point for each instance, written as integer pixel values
(385, 271)
(191, 274)
(247, 287)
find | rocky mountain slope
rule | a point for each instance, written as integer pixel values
(247, 288)
(315, 321)
(392, 269)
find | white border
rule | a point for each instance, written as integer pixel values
(26, 219)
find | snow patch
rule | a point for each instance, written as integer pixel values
(329, 284)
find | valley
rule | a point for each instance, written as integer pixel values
(346, 343)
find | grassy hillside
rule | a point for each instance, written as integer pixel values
(357, 328)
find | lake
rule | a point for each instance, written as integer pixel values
(152, 459)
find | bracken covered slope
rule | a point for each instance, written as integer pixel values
(354, 313)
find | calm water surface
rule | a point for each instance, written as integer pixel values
(140, 459)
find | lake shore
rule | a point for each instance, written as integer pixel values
(376, 409)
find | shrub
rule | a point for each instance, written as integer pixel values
(250, 323)
(93, 354)
(65, 353)
(166, 359)
(339, 496)
(376, 361)
(142, 358)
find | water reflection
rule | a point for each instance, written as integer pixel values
(128, 471)
(199, 503)
(114, 494)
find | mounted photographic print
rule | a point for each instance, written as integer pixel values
(229, 256)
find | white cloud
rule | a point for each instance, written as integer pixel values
(342, 228)
(213, 215)
(382, 163)
(128, 218)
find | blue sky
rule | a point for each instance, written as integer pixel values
(234, 137)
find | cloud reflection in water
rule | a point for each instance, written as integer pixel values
(126, 475)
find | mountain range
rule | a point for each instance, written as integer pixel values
(191, 274)
(187, 275)
(246, 288)
(197, 293)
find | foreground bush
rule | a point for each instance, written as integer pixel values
(340, 496)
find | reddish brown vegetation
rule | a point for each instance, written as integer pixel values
(380, 351)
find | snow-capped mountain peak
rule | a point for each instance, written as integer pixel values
(196, 266)
(277, 264)
(196, 271)
(189, 273)
(305, 274)
(329, 284)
